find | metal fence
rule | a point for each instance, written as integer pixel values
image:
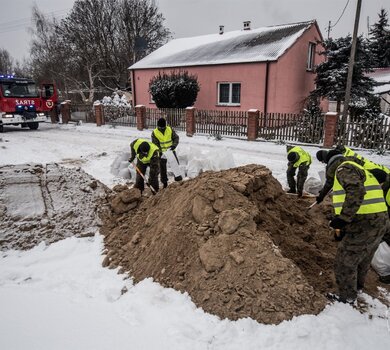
(216, 123)
(83, 112)
(175, 117)
(119, 115)
(291, 127)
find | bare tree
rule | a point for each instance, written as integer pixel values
(96, 43)
(6, 62)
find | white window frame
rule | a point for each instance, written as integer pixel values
(311, 52)
(230, 103)
(151, 99)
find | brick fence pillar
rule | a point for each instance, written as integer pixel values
(140, 113)
(65, 112)
(190, 121)
(253, 124)
(98, 114)
(330, 128)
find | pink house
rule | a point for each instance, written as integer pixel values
(270, 69)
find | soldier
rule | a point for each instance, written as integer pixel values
(164, 137)
(350, 155)
(361, 218)
(297, 158)
(147, 156)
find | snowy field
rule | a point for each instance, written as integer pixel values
(60, 297)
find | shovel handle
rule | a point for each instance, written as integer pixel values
(143, 176)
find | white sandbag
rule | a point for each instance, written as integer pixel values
(174, 165)
(381, 260)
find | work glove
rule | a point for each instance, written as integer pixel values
(173, 148)
(130, 160)
(337, 223)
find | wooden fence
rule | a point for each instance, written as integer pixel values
(361, 133)
(291, 127)
(365, 133)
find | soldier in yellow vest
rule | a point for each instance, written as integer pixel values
(301, 160)
(361, 218)
(148, 155)
(165, 138)
(324, 156)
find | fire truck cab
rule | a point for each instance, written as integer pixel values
(22, 102)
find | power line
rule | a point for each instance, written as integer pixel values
(22, 23)
(342, 13)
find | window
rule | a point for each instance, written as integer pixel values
(310, 56)
(229, 94)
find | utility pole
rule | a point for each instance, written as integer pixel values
(350, 66)
(329, 30)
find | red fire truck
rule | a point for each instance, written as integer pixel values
(22, 102)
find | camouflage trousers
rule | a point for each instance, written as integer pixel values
(303, 171)
(355, 252)
(386, 237)
(139, 181)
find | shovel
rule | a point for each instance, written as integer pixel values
(311, 206)
(143, 176)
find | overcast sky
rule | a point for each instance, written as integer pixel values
(197, 17)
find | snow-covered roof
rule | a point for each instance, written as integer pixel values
(256, 45)
(381, 77)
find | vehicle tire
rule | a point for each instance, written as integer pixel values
(1, 128)
(33, 125)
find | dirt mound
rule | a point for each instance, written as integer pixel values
(232, 239)
(47, 203)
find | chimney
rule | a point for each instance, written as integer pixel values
(247, 25)
(221, 29)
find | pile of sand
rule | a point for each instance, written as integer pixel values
(232, 239)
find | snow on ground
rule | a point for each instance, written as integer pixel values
(59, 296)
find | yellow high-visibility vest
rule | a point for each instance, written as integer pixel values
(153, 148)
(373, 201)
(349, 153)
(304, 157)
(164, 139)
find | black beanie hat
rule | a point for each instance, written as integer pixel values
(379, 174)
(161, 123)
(292, 156)
(331, 154)
(321, 155)
(144, 147)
